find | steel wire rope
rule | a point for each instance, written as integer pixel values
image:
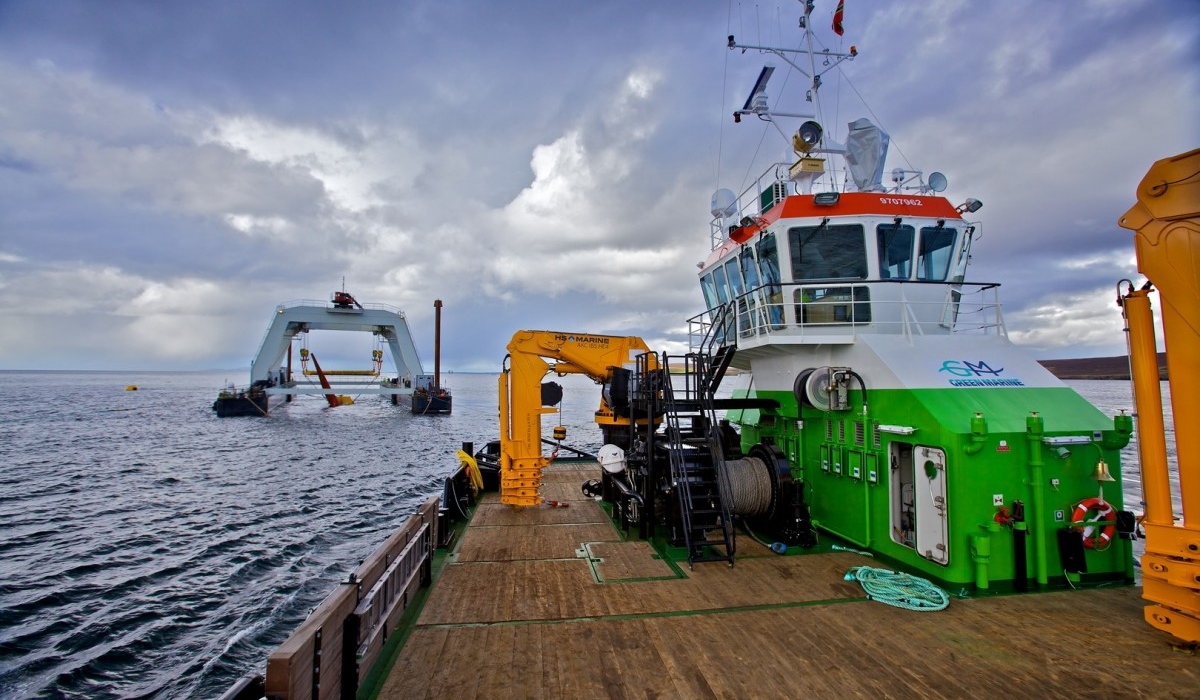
(746, 488)
(724, 91)
(724, 86)
(891, 141)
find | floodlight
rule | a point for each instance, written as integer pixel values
(971, 205)
(807, 136)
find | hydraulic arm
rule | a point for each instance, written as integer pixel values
(530, 354)
(1167, 221)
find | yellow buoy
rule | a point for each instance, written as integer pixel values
(345, 400)
(131, 387)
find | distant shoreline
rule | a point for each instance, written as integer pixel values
(1098, 367)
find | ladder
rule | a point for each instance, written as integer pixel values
(694, 447)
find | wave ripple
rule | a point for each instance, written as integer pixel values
(151, 550)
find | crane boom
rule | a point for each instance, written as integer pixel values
(521, 407)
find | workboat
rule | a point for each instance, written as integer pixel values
(893, 499)
(272, 372)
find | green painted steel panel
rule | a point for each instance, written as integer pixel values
(826, 451)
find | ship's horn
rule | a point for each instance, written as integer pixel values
(1101, 472)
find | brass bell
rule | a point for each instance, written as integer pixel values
(1101, 472)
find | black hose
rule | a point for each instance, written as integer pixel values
(454, 497)
(862, 385)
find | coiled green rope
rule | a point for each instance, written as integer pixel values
(899, 589)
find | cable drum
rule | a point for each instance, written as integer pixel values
(746, 486)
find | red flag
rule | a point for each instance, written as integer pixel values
(837, 18)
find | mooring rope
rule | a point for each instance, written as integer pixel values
(899, 589)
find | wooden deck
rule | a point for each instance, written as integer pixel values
(550, 603)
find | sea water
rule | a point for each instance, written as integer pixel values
(149, 549)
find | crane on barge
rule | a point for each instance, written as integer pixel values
(271, 370)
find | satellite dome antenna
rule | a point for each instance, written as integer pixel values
(724, 204)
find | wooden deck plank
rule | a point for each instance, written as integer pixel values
(514, 616)
(628, 560)
(978, 648)
(494, 514)
(563, 589)
(552, 542)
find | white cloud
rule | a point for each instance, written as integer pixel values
(1086, 318)
(119, 314)
(152, 202)
(350, 163)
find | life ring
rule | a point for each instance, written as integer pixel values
(1095, 537)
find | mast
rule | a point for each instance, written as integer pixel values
(437, 343)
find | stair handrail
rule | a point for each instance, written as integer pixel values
(716, 449)
(674, 435)
(723, 331)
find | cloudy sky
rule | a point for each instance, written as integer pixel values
(171, 171)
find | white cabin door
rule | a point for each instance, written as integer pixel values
(929, 477)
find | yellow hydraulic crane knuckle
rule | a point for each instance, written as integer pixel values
(1166, 220)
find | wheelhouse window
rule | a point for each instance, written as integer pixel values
(738, 291)
(828, 252)
(734, 277)
(709, 289)
(895, 243)
(935, 253)
(749, 268)
(716, 295)
(768, 261)
(719, 283)
(833, 305)
(768, 265)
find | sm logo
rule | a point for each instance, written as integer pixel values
(963, 368)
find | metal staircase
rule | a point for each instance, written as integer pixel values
(694, 447)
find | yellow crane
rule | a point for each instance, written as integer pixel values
(1167, 221)
(607, 359)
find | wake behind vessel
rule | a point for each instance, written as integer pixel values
(723, 541)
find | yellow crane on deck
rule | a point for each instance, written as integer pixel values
(1167, 221)
(601, 357)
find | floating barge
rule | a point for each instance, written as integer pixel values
(232, 403)
(271, 372)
